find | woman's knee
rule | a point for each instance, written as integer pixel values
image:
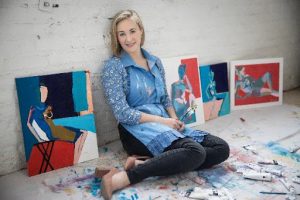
(197, 152)
(220, 148)
(225, 150)
(193, 154)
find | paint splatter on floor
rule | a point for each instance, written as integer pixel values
(128, 194)
(277, 149)
(225, 175)
(76, 182)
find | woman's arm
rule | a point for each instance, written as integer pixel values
(112, 78)
(112, 81)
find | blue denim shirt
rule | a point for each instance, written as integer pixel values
(131, 90)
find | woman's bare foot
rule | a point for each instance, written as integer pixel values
(112, 181)
(106, 184)
(134, 160)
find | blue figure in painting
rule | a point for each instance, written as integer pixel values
(253, 87)
(182, 95)
(211, 86)
(211, 93)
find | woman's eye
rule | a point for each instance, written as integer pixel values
(121, 34)
(132, 31)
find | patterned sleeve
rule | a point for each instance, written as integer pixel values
(166, 101)
(112, 79)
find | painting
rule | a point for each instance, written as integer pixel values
(184, 88)
(215, 90)
(57, 120)
(256, 83)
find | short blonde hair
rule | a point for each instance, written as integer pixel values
(120, 16)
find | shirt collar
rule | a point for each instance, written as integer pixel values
(128, 61)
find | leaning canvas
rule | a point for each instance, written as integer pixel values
(256, 83)
(57, 120)
(215, 90)
(184, 88)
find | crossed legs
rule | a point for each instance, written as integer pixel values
(182, 155)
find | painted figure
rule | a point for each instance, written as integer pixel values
(157, 142)
(215, 103)
(42, 127)
(253, 87)
(211, 91)
(182, 95)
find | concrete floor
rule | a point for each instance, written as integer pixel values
(270, 132)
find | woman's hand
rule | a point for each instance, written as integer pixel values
(182, 126)
(172, 123)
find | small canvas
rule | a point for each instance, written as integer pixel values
(184, 88)
(57, 120)
(256, 83)
(215, 90)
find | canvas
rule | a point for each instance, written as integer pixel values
(184, 88)
(57, 120)
(256, 83)
(215, 90)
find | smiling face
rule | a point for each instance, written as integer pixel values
(129, 36)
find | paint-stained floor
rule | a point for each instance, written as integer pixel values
(254, 135)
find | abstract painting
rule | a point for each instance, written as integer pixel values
(57, 120)
(184, 88)
(215, 90)
(256, 83)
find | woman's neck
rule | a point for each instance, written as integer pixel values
(137, 56)
(140, 60)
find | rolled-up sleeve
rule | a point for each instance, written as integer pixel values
(112, 78)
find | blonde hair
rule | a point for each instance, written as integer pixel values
(120, 16)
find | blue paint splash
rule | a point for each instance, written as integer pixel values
(130, 194)
(92, 187)
(277, 149)
(95, 187)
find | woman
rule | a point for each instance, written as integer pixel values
(134, 85)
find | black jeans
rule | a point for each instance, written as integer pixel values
(182, 155)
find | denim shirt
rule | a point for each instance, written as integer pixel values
(115, 81)
(130, 90)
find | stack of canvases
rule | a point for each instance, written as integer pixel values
(201, 93)
(57, 120)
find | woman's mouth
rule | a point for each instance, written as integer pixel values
(130, 45)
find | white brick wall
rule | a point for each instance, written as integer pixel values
(72, 36)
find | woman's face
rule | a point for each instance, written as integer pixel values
(129, 36)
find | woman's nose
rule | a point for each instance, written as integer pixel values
(128, 38)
